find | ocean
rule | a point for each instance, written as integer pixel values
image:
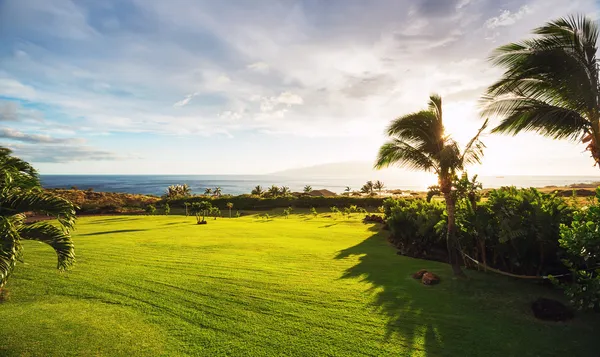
(239, 184)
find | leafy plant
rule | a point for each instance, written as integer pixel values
(273, 191)
(218, 191)
(187, 206)
(208, 191)
(379, 186)
(21, 192)
(200, 209)
(287, 212)
(167, 209)
(307, 189)
(581, 240)
(335, 210)
(314, 212)
(150, 210)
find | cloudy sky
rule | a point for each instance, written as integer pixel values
(203, 87)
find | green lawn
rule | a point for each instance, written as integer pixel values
(149, 286)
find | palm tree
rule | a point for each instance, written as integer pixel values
(186, 205)
(551, 84)
(21, 192)
(229, 206)
(186, 191)
(348, 189)
(208, 191)
(273, 191)
(417, 141)
(218, 191)
(379, 186)
(307, 189)
(199, 209)
(258, 190)
(284, 190)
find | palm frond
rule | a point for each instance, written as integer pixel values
(21, 201)
(525, 114)
(550, 84)
(10, 246)
(402, 154)
(473, 151)
(58, 239)
(422, 130)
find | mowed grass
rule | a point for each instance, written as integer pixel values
(151, 286)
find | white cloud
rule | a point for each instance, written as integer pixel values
(289, 99)
(259, 67)
(506, 18)
(185, 101)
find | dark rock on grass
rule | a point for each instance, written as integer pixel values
(419, 274)
(373, 218)
(430, 279)
(202, 222)
(551, 310)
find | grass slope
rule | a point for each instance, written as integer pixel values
(298, 286)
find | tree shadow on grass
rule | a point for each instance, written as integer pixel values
(484, 315)
(114, 232)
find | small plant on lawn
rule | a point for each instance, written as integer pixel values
(238, 214)
(199, 209)
(229, 207)
(187, 207)
(287, 212)
(167, 209)
(334, 210)
(215, 212)
(314, 212)
(150, 210)
(348, 212)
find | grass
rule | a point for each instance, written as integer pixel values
(299, 286)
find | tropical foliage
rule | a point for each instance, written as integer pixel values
(417, 141)
(21, 193)
(581, 240)
(551, 84)
(258, 191)
(178, 191)
(200, 210)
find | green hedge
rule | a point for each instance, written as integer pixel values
(252, 202)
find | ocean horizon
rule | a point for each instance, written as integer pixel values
(240, 184)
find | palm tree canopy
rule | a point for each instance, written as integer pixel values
(20, 193)
(550, 84)
(417, 142)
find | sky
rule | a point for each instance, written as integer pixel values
(253, 87)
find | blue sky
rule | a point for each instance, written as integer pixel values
(207, 87)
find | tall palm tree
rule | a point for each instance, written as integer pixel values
(229, 206)
(218, 191)
(208, 191)
(187, 206)
(186, 190)
(273, 191)
(379, 186)
(258, 190)
(284, 190)
(307, 189)
(551, 84)
(348, 189)
(21, 192)
(418, 142)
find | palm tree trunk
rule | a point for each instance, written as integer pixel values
(451, 239)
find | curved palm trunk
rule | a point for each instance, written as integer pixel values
(451, 239)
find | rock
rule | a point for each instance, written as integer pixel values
(202, 222)
(551, 310)
(430, 279)
(419, 274)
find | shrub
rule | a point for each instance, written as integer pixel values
(150, 209)
(167, 209)
(314, 212)
(581, 240)
(415, 226)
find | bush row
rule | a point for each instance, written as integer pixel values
(253, 202)
(515, 230)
